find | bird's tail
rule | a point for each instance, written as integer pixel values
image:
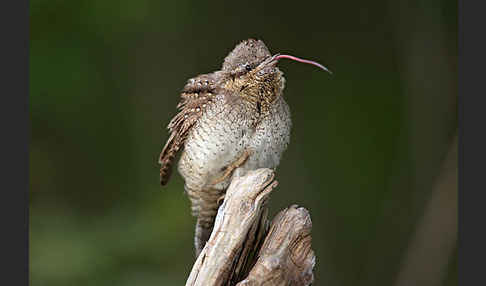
(202, 233)
(204, 206)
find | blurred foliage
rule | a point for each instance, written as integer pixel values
(365, 148)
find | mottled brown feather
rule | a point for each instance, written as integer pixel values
(197, 94)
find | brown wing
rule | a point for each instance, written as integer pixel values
(195, 97)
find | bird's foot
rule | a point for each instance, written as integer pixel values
(231, 167)
(221, 199)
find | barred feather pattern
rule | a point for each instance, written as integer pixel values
(195, 98)
(223, 116)
(224, 132)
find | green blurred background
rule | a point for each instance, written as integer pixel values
(366, 146)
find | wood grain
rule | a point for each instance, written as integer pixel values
(245, 249)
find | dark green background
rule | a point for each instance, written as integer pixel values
(365, 149)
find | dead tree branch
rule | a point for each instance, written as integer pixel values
(244, 250)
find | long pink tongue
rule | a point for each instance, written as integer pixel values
(302, 61)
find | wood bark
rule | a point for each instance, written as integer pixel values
(245, 249)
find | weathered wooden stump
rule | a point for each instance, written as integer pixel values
(245, 249)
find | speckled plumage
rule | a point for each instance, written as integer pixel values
(224, 116)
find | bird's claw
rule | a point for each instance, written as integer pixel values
(229, 170)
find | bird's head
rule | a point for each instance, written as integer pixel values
(253, 71)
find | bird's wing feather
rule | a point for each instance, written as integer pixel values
(198, 93)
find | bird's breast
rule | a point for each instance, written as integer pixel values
(224, 133)
(271, 137)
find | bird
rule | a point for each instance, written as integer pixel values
(228, 122)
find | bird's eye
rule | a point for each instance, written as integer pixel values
(248, 67)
